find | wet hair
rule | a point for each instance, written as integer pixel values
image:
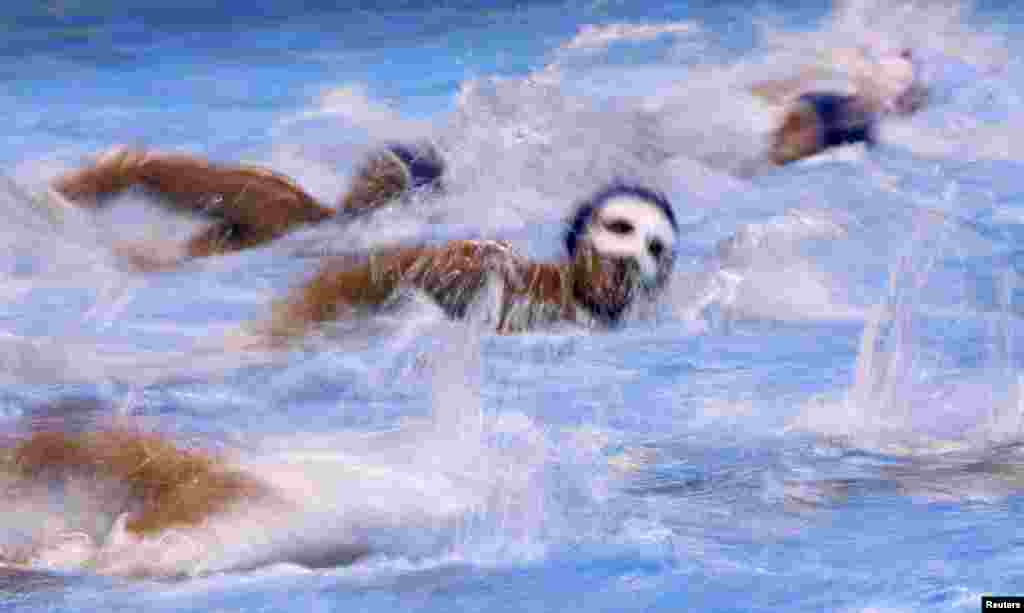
(586, 209)
(424, 163)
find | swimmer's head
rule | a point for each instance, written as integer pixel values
(423, 164)
(622, 240)
(799, 135)
(391, 173)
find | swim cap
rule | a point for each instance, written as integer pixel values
(423, 163)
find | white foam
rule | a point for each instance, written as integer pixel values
(352, 105)
(599, 36)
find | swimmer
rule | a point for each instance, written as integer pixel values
(120, 486)
(251, 205)
(117, 485)
(621, 246)
(816, 120)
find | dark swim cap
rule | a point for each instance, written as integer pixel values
(423, 162)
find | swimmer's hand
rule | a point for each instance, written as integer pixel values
(150, 256)
(272, 334)
(243, 339)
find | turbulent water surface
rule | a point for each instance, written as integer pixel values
(823, 414)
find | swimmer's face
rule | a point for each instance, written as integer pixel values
(627, 248)
(797, 137)
(637, 233)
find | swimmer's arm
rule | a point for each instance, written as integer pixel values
(216, 239)
(226, 237)
(778, 91)
(256, 205)
(451, 274)
(156, 255)
(242, 195)
(183, 179)
(149, 255)
(341, 290)
(537, 294)
(112, 173)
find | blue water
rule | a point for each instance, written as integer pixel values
(828, 419)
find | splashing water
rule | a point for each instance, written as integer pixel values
(824, 411)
